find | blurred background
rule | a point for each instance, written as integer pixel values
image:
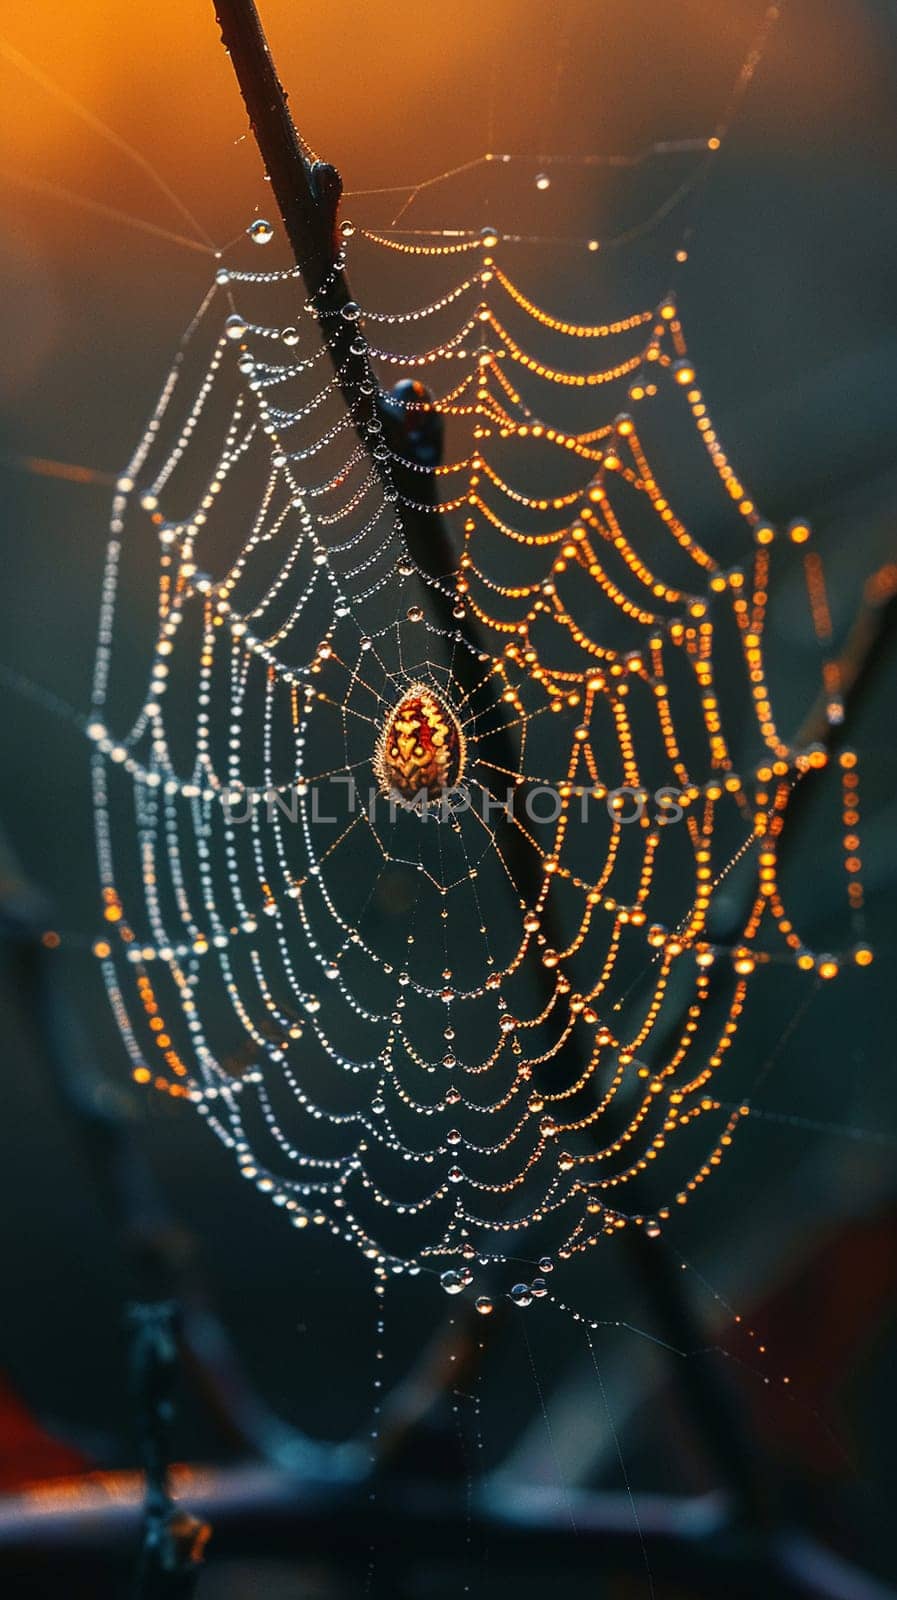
(788, 300)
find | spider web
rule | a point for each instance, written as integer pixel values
(475, 1036)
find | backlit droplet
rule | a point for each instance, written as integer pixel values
(521, 1295)
(346, 229)
(260, 231)
(235, 327)
(290, 336)
(415, 613)
(539, 1288)
(451, 1282)
(543, 181)
(351, 311)
(484, 1305)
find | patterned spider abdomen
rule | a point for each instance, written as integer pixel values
(421, 750)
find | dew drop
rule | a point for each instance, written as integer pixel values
(451, 1282)
(539, 1288)
(235, 327)
(521, 1295)
(484, 1305)
(415, 613)
(346, 229)
(543, 181)
(351, 311)
(260, 231)
(290, 336)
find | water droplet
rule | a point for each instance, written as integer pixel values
(543, 181)
(346, 229)
(222, 275)
(235, 327)
(260, 231)
(488, 238)
(539, 1288)
(290, 336)
(484, 1305)
(351, 311)
(415, 613)
(455, 1175)
(520, 1294)
(451, 1282)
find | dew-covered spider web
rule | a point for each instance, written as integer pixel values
(440, 892)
